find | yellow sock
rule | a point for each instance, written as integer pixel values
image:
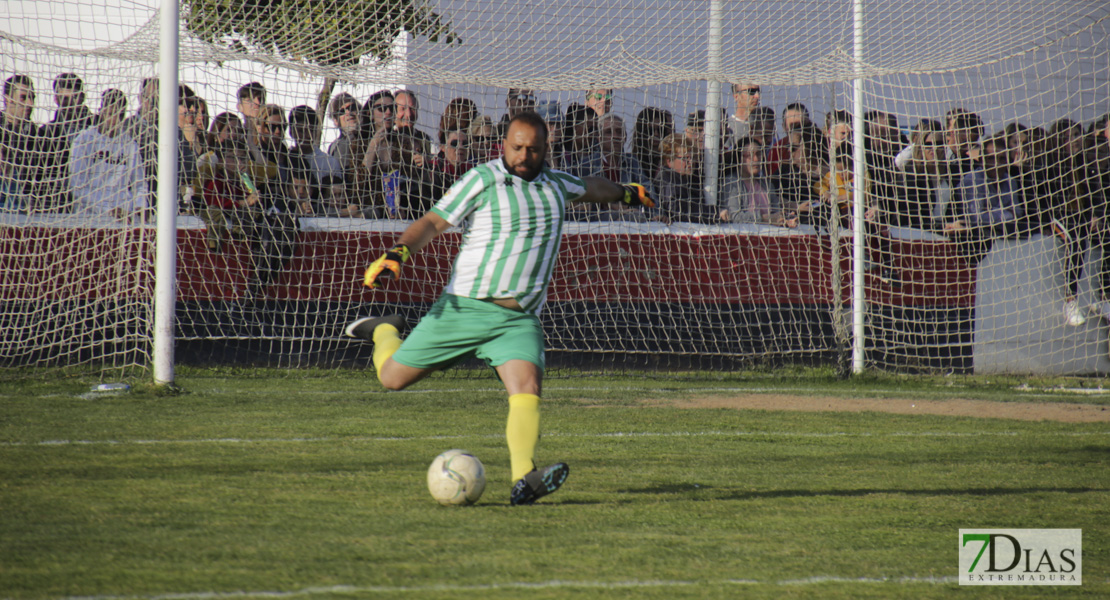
(522, 432)
(386, 341)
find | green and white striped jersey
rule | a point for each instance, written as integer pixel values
(516, 226)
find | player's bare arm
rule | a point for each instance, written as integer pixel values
(422, 231)
(416, 236)
(602, 191)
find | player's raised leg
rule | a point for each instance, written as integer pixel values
(385, 332)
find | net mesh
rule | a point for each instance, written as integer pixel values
(986, 156)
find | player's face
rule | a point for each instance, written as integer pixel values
(525, 150)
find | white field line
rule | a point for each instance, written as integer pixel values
(550, 388)
(605, 585)
(615, 434)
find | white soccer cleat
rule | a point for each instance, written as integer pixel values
(363, 327)
(1072, 314)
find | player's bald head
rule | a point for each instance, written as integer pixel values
(531, 119)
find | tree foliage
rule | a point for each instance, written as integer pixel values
(322, 32)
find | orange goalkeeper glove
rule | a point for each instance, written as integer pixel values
(387, 266)
(636, 195)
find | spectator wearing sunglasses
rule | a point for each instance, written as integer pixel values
(189, 146)
(926, 184)
(380, 117)
(454, 157)
(346, 113)
(600, 101)
(271, 146)
(746, 96)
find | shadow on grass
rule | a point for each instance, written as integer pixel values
(703, 492)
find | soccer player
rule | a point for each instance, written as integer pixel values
(490, 307)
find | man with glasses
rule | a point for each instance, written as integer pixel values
(746, 96)
(382, 110)
(271, 139)
(454, 157)
(346, 113)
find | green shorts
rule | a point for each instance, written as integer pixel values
(458, 328)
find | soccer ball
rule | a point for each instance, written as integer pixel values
(456, 477)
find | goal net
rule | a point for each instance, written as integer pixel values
(311, 133)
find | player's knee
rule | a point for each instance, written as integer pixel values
(396, 377)
(392, 382)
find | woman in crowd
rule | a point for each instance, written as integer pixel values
(749, 196)
(652, 126)
(680, 189)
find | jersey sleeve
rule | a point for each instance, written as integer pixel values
(573, 187)
(461, 198)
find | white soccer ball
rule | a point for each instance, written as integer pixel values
(456, 477)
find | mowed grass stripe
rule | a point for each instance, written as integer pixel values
(519, 585)
(556, 434)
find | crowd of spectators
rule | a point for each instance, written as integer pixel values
(238, 172)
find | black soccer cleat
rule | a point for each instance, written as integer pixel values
(363, 327)
(538, 483)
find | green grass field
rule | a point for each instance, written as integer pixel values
(287, 483)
